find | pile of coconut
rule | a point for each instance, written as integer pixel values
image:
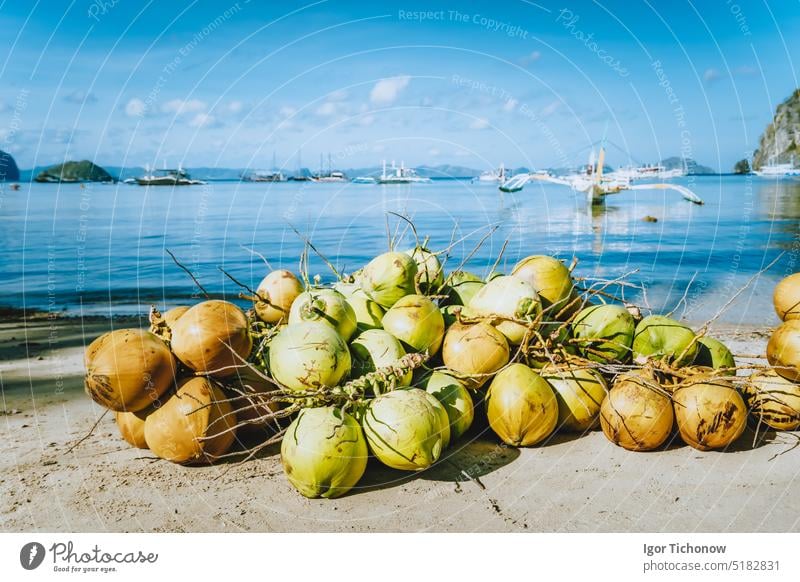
(397, 360)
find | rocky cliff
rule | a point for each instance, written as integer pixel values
(84, 171)
(781, 140)
(8, 168)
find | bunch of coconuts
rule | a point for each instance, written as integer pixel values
(774, 395)
(168, 392)
(637, 378)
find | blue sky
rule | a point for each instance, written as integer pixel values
(468, 83)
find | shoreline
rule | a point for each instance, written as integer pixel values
(571, 483)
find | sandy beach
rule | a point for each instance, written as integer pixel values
(570, 484)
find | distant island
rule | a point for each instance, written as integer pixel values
(9, 172)
(86, 171)
(780, 142)
(83, 171)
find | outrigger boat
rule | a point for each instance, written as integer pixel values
(594, 184)
(168, 177)
(400, 175)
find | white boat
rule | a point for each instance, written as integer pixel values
(594, 184)
(334, 176)
(647, 171)
(331, 175)
(777, 171)
(498, 175)
(364, 180)
(265, 176)
(168, 177)
(400, 175)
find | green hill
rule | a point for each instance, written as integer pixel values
(8, 168)
(83, 171)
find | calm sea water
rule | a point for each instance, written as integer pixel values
(100, 249)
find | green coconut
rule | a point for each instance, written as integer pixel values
(326, 306)
(324, 452)
(605, 333)
(659, 337)
(430, 275)
(550, 278)
(406, 429)
(504, 298)
(580, 393)
(714, 354)
(455, 399)
(462, 287)
(417, 322)
(368, 313)
(374, 349)
(389, 277)
(305, 356)
(521, 406)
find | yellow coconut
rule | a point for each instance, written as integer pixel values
(276, 293)
(128, 369)
(786, 297)
(131, 426)
(710, 415)
(174, 314)
(783, 350)
(636, 415)
(212, 338)
(417, 322)
(774, 400)
(550, 278)
(580, 393)
(194, 425)
(474, 352)
(520, 406)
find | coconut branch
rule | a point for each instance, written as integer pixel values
(188, 272)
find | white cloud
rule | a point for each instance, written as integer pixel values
(510, 105)
(531, 58)
(202, 120)
(80, 97)
(550, 108)
(135, 108)
(287, 111)
(181, 107)
(386, 91)
(326, 109)
(711, 75)
(434, 152)
(366, 120)
(235, 107)
(339, 95)
(479, 123)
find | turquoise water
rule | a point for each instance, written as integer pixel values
(101, 249)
